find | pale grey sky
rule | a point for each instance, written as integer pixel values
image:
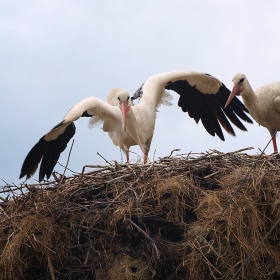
(55, 53)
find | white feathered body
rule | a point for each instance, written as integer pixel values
(264, 104)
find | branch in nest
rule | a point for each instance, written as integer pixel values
(104, 159)
(151, 240)
(175, 150)
(67, 161)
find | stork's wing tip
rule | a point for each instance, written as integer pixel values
(22, 174)
(41, 177)
(221, 137)
(230, 131)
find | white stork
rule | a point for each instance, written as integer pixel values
(201, 95)
(263, 105)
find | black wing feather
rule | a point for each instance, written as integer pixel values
(55, 148)
(210, 107)
(48, 152)
(213, 116)
(33, 158)
(236, 106)
(220, 115)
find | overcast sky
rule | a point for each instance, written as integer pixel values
(54, 53)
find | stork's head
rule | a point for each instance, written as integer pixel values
(239, 86)
(124, 104)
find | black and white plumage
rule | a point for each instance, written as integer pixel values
(201, 95)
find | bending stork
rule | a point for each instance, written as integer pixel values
(263, 105)
(201, 95)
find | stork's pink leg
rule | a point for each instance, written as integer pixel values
(145, 157)
(274, 144)
(127, 157)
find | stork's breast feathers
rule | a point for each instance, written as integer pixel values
(109, 125)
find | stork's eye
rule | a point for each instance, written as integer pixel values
(127, 98)
(241, 80)
(119, 98)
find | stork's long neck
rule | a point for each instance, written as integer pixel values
(251, 102)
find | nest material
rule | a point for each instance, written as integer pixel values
(182, 217)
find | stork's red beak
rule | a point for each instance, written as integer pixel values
(124, 108)
(235, 91)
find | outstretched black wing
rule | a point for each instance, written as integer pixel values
(209, 107)
(48, 152)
